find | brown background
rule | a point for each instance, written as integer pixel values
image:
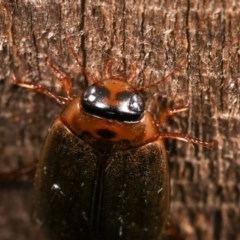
(156, 35)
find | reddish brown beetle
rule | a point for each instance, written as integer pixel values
(103, 172)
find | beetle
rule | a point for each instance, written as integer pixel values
(103, 170)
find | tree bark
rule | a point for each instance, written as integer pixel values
(156, 35)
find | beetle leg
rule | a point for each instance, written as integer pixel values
(39, 88)
(188, 138)
(164, 78)
(17, 174)
(165, 113)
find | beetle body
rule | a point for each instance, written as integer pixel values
(103, 172)
(101, 178)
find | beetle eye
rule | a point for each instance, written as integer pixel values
(136, 103)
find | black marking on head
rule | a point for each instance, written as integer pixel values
(106, 133)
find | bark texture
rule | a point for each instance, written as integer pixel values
(156, 35)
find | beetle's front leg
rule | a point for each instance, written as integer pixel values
(39, 88)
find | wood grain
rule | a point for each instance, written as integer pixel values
(156, 35)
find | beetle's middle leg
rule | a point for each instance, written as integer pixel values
(39, 88)
(168, 112)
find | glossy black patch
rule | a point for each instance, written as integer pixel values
(136, 102)
(129, 105)
(106, 133)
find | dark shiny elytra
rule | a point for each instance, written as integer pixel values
(130, 106)
(90, 196)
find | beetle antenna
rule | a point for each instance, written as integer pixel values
(64, 80)
(83, 69)
(132, 73)
(164, 78)
(107, 68)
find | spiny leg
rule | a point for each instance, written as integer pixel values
(39, 88)
(188, 138)
(164, 78)
(168, 112)
(16, 174)
(181, 136)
